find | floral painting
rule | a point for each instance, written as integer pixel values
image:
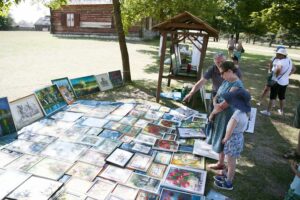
(166, 145)
(167, 194)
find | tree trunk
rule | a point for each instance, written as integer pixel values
(122, 41)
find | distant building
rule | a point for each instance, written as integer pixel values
(92, 18)
(42, 24)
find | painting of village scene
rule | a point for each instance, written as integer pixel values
(85, 85)
(50, 99)
(6, 121)
(65, 88)
(25, 111)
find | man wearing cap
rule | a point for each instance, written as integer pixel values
(283, 69)
(212, 73)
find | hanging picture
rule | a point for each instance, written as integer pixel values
(117, 174)
(85, 85)
(119, 157)
(185, 179)
(116, 78)
(50, 99)
(65, 88)
(25, 111)
(104, 82)
(7, 125)
(188, 160)
(166, 145)
(175, 194)
(140, 162)
(190, 132)
(143, 182)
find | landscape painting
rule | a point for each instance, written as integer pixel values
(116, 78)
(85, 85)
(65, 88)
(25, 111)
(50, 99)
(7, 125)
(104, 82)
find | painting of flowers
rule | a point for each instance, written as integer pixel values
(166, 145)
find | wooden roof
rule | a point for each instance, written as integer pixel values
(186, 21)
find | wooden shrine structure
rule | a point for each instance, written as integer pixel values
(184, 26)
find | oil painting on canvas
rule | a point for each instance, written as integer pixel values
(65, 88)
(6, 121)
(85, 85)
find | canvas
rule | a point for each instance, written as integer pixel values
(7, 158)
(50, 168)
(101, 189)
(125, 192)
(136, 113)
(107, 146)
(90, 140)
(157, 170)
(97, 113)
(84, 171)
(133, 131)
(114, 135)
(10, 180)
(169, 123)
(7, 125)
(104, 82)
(94, 131)
(140, 162)
(153, 115)
(174, 194)
(188, 160)
(32, 137)
(123, 109)
(164, 109)
(186, 111)
(25, 111)
(23, 163)
(143, 182)
(169, 136)
(67, 116)
(93, 157)
(36, 188)
(94, 122)
(185, 179)
(173, 117)
(113, 117)
(116, 78)
(28, 147)
(201, 148)
(146, 139)
(143, 195)
(81, 108)
(112, 125)
(126, 138)
(190, 132)
(65, 88)
(117, 174)
(128, 120)
(142, 123)
(85, 85)
(141, 148)
(119, 157)
(156, 130)
(50, 99)
(166, 145)
(163, 157)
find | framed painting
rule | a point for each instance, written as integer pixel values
(123, 109)
(156, 130)
(50, 168)
(7, 125)
(81, 108)
(10, 180)
(84, 171)
(101, 189)
(190, 132)
(125, 192)
(136, 113)
(119, 157)
(185, 179)
(163, 157)
(113, 117)
(169, 123)
(67, 116)
(94, 122)
(141, 148)
(25, 111)
(114, 135)
(50, 99)
(133, 131)
(142, 123)
(201, 148)
(85, 85)
(23, 163)
(143, 195)
(116, 78)
(107, 146)
(146, 139)
(166, 145)
(93, 157)
(65, 87)
(175, 194)
(153, 115)
(188, 160)
(169, 136)
(94, 131)
(126, 138)
(157, 170)
(104, 82)
(140, 162)
(28, 147)
(36, 188)
(143, 182)
(128, 120)
(117, 174)
(90, 140)
(33, 137)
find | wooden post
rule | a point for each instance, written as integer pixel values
(203, 54)
(161, 65)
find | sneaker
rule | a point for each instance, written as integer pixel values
(220, 178)
(226, 185)
(280, 112)
(265, 112)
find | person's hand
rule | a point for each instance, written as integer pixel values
(224, 140)
(293, 164)
(211, 117)
(188, 97)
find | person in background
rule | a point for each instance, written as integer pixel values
(294, 190)
(238, 50)
(230, 46)
(235, 60)
(222, 113)
(212, 73)
(234, 140)
(283, 69)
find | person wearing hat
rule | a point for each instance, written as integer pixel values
(283, 69)
(233, 141)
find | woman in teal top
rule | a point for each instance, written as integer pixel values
(222, 111)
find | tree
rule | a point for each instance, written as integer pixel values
(6, 22)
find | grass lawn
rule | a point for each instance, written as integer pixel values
(262, 174)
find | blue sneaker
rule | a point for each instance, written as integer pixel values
(226, 185)
(220, 178)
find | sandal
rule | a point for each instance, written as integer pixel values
(291, 154)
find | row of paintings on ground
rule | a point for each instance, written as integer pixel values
(21, 112)
(107, 150)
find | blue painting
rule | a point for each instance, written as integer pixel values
(85, 85)
(7, 125)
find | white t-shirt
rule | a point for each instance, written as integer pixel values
(274, 61)
(283, 77)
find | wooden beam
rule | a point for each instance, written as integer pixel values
(161, 66)
(203, 54)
